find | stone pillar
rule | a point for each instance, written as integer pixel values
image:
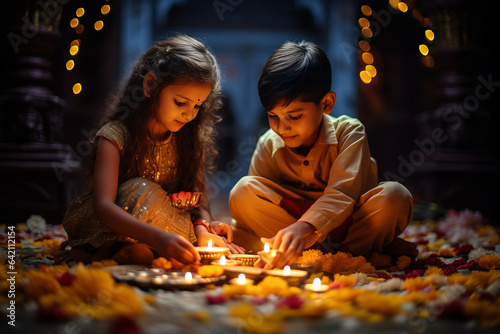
(37, 171)
(458, 136)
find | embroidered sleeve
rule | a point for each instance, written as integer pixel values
(115, 132)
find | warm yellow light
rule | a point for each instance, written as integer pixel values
(316, 284)
(367, 57)
(286, 271)
(70, 64)
(80, 12)
(266, 247)
(424, 49)
(428, 61)
(222, 260)
(73, 50)
(364, 45)
(363, 22)
(367, 32)
(188, 276)
(365, 77)
(403, 7)
(366, 10)
(241, 279)
(80, 29)
(77, 88)
(74, 23)
(429, 34)
(394, 3)
(98, 25)
(371, 70)
(209, 245)
(75, 42)
(105, 9)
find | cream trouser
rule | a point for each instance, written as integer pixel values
(381, 214)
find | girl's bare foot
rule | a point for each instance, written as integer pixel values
(399, 247)
(134, 253)
(76, 254)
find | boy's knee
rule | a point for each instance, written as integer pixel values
(397, 195)
(241, 191)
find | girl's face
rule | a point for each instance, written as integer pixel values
(178, 104)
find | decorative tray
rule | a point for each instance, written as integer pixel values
(147, 277)
(245, 259)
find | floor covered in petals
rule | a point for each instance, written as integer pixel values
(453, 286)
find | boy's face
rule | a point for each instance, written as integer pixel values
(299, 123)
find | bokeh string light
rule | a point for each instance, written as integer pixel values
(80, 24)
(369, 70)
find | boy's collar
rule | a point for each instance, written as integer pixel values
(327, 135)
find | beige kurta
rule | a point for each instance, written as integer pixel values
(141, 196)
(338, 174)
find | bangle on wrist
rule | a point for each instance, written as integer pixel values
(202, 222)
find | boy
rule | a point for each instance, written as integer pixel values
(311, 177)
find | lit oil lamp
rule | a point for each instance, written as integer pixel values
(267, 255)
(225, 262)
(241, 280)
(210, 253)
(250, 272)
(316, 286)
(292, 276)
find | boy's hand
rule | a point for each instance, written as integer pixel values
(291, 241)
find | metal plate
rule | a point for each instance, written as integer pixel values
(147, 277)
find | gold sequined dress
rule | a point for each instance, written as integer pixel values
(142, 197)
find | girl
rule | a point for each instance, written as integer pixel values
(156, 141)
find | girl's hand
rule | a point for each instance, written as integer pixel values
(220, 228)
(218, 241)
(291, 241)
(174, 247)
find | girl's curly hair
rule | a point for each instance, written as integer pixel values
(178, 59)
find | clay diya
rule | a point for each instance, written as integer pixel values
(268, 255)
(294, 277)
(209, 253)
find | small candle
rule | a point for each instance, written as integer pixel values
(188, 276)
(241, 280)
(316, 286)
(251, 272)
(210, 253)
(293, 277)
(226, 263)
(286, 270)
(268, 255)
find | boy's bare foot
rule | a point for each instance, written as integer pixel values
(74, 255)
(399, 247)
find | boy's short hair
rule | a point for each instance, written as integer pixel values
(295, 70)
